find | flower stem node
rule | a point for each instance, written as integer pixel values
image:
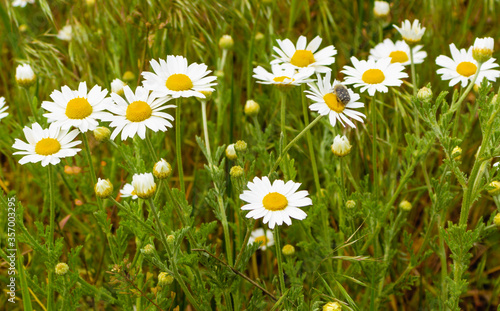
(482, 49)
(496, 220)
(381, 9)
(226, 42)
(236, 171)
(288, 250)
(424, 94)
(341, 146)
(165, 279)
(252, 108)
(332, 306)
(148, 249)
(101, 133)
(495, 188)
(456, 153)
(405, 206)
(231, 152)
(350, 204)
(144, 185)
(240, 146)
(62, 268)
(103, 188)
(162, 169)
(25, 76)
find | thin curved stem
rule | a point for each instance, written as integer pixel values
(310, 145)
(178, 143)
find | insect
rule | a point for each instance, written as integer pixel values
(342, 94)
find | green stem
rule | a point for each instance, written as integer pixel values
(125, 157)
(89, 161)
(280, 260)
(414, 82)
(341, 213)
(283, 132)
(205, 129)
(374, 146)
(307, 128)
(30, 104)
(456, 105)
(151, 148)
(50, 292)
(310, 145)
(178, 143)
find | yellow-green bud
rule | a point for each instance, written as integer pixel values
(496, 220)
(496, 188)
(101, 133)
(350, 204)
(424, 94)
(405, 206)
(23, 28)
(240, 146)
(252, 108)
(103, 188)
(170, 239)
(162, 169)
(288, 250)
(226, 42)
(341, 146)
(231, 152)
(165, 279)
(62, 268)
(128, 76)
(482, 50)
(259, 36)
(90, 2)
(208, 95)
(456, 153)
(236, 171)
(219, 73)
(148, 249)
(332, 306)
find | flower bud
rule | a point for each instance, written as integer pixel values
(144, 185)
(341, 146)
(226, 42)
(381, 8)
(148, 249)
(101, 133)
(405, 206)
(219, 73)
(496, 220)
(496, 188)
(25, 76)
(90, 2)
(424, 94)
(288, 250)
(62, 268)
(208, 95)
(259, 36)
(456, 153)
(103, 188)
(117, 86)
(350, 204)
(482, 49)
(165, 279)
(231, 152)
(162, 169)
(332, 306)
(128, 76)
(251, 108)
(236, 171)
(170, 240)
(240, 146)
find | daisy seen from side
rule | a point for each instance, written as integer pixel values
(283, 76)
(128, 191)
(398, 51)
(265, 237)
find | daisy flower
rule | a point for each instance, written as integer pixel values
(265, 238)
(283, 76)
(462, 67)
(3, 108)
(46, 145)
(327, 102)
(399, 52)
(66, 33)
(277, 202)
(304, 56)
(411, 33)
(128, 191)
(137, 112)
(79, 108)
(22, 3)
(175, 78)
(374, 75)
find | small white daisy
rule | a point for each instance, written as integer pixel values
(66, 33)
(265, 238)
(22, 3)
(277, 203)
(399, 52)
(46, 145)
(327, 102)
(3, 108)
(138, 112)
(462, 67)
(77, 108)
(175, 78)
(304, 55)
(411, 33)
(128, 191)
(283, 76)
(374, 75)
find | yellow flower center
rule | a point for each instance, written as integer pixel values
(398, 57)
(466, 69)
(47, 146)
(261, 239)
(373, 76)
(179, 82)
(275, 201)
(302, 58)
(282, 78)
(333, 103)
(133, 192)
(138, 111)
(78, 108)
